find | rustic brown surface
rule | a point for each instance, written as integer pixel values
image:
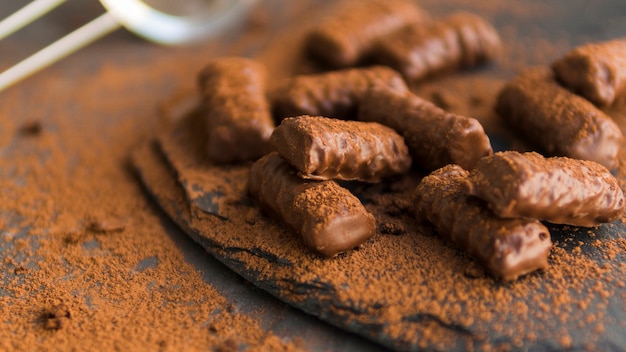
(87, 261)
(93, 108)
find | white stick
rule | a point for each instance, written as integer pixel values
(26, 15)
(78, 39)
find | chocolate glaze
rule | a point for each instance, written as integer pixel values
(435, 137)
(323, 148)
(596, 71)
(327, 216)
(238, 117)
(560, 190)
(332, 94)
(342, 40)
(424, 49)
(507, 248)
(557, 120)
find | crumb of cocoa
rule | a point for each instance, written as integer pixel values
(473, 271)
(105, 225)
(395, 206)
(57, 317)
(72, 238)
(391, 228)
(20, 269)
(31, 128)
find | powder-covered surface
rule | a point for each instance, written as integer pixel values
(87, 261)
(405, 288)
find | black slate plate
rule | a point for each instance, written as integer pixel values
(435, 298)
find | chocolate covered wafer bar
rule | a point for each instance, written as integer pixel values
(560, 190)
(343, 39)
(435, 137)
(596, 71)
(238, 116)
(324, 148)
(507, 248)
(558, 121)
(421, 50)
(327, 216)
(332, 94)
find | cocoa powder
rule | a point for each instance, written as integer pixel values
(129, 288)
(88, 262)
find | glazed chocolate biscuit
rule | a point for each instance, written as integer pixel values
(238, 117)
(557, 120)
(435, 137)
(332, 94)
(327, 216)
(421, 50)
(559, 190)
(342, 40)
(596, 71)
(507, 248)
(323, 148)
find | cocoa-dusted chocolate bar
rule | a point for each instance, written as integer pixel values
(435, 137)
(421, 50)
(329, 218)
(238, 116)
(323, 148)
(560, 190)
(332, 94)
(596, 71)
(507, 248)
(558, 121)
(343, 39)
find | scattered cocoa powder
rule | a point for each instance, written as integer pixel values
(99, 285)
(31, 128)
(87, 260)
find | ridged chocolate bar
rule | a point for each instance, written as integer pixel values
(238, 116)
(596, 71)
(327, 216)
(560, 190)
(332, 94)
(558, 121)
(435, 137)
(343, 39)
(421, 50)
(507, 248)
(323, 148)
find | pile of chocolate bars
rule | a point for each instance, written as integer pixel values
(363, 123)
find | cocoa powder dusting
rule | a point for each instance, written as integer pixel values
(87, 260)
